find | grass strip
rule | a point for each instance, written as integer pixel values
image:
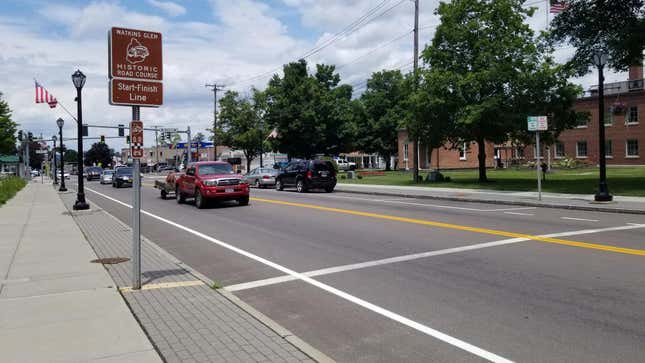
(9, 187)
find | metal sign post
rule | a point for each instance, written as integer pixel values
(136, 140)
(537, 124)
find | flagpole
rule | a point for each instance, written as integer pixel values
(59, 103)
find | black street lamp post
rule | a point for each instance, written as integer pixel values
(60, 123)
(600, 59)
(55, 175)
(79, 81)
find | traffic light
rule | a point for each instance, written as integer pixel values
(127, 139)
(30, 136)
(102, 139)
(20, 135)
(121, 130)
(85, 130)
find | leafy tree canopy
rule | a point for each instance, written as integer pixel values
(8, 129)
(99, 154)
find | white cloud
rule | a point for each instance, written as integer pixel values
(169, 7)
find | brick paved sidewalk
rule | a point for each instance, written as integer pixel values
(186, 319)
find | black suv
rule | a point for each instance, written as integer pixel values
(93, 172)
(122, 176)
(307, 174)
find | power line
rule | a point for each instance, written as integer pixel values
(373, 50)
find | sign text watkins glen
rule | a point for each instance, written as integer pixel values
(136, 67)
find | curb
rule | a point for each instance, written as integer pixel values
(292, 339)
(502, 202)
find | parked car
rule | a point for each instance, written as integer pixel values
(66, 174)
(122, 176)
(35, 173)
(345, 165)
(306, 175)
(106, 176)
(92, 172)
(211, 180)
(262, 177)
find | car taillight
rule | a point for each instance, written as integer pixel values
(266, 177)
(308, 174)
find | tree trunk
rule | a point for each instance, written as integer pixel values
(248, 162)
(481, 156)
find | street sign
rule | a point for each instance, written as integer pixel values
(41, 151)
(136, 67)
(135, 54)
(127, 92)
(194, 144)
(538, 123)
(136, 139)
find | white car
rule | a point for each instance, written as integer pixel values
(345, 165)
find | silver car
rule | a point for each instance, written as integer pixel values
(262, 177)
(106, 176)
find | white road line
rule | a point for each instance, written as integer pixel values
(398, 201)
(356, 300)
(415, 256)
(519, 214)
(580, 219)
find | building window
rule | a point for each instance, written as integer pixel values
(582, 122)
(581, 149)
(559, 149)
(462, 151)
(609, 150)
(609, 118)
(633, 115)
(405, 151)
(631, 148)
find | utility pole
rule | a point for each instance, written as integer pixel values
(415, 143)
(215, 87)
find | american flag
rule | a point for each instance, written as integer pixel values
(43, 96)
(558, 6)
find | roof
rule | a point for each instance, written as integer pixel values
(9, 159)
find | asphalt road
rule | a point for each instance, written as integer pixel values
(405, 280)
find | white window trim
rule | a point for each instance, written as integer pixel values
(464, 148)
(579, 156)
(627, 156)
(629, 117)
(406, 150)
(555, 152)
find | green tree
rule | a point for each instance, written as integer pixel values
(241, 124)
(99, 153)
(8, 129)
(384, 105)
(615, 26)
(490, 64)
(312, 114)
(35, 159)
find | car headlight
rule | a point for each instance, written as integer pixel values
(125, 177)
(210, 183)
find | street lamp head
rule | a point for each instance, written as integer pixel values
(600, 58)
(79, 79)
(54, 138)
(60, 122)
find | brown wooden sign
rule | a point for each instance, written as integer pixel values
(135, 54)
(136, 139)
(136, 93)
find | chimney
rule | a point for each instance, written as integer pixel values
(636, 71)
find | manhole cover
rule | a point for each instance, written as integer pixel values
(111, 260)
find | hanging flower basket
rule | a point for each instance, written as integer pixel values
(618, 108)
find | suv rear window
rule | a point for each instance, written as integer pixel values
(321, 165)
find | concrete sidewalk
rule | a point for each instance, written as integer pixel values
(56, 305)
(632, 205)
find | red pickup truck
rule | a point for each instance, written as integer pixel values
(211, 180)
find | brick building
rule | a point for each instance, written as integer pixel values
(624, 135)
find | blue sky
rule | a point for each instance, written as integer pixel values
(226, 41)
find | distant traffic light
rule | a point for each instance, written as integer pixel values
(127, 139)
(102, 139)
(121, 130)
(30, 136)
(20, 135)
(85, 130)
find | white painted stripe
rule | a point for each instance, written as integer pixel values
(415, 256)
(519, 214)
(579, 219)
(356, 300)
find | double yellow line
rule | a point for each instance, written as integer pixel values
(593, 246)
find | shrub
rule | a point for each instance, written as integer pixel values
(359, 176)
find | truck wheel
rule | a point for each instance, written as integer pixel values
(180, 197)
(329, 189)
(243, 201)
(300, 186)
(278, 185)
(200, 203)
(164, 194)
